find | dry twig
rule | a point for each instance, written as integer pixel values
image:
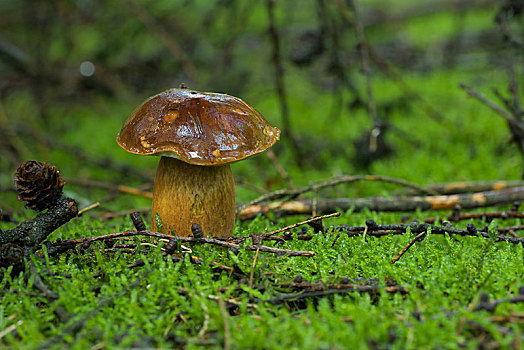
(85, 242)
(287, 131)
(316, 218)
(419, 237)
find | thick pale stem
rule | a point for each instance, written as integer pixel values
(185, 194)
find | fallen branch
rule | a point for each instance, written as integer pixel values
(504, 215)
(467, 187)
(47, 293)
(285, 193)
(486, 304)
(411, 203)
(31, 233)
(375, 230)
(59, 246)
(315, 290)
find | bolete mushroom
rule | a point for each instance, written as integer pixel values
(197, 135)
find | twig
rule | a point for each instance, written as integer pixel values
(280, 170)
(341, 289)
(11, 328)
(399, 229)
(376, 230)
(513, 118)
(51, 296)
(233, 302)
(88, 208)
(166, 38)
(496, 108)
(243, 182)
(254, 259)
(420, 236)
(234, 247)
(486, 304)
(487, 215)
(225, 319)
(205, 324)
(364, 60)
(467, 186)
(316, 218)
(329, 28)
(287, 132)
(393, 74)
(518, 112)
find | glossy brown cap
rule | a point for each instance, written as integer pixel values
(199, 128)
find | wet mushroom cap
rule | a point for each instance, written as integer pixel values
(198, 128)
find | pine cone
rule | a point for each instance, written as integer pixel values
(38, 184)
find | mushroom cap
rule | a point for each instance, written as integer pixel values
(198, 128)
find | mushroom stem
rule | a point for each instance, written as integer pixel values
(184, 194)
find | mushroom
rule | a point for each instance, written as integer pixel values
(197, 135)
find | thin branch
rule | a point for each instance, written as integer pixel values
(51, 296)
(269, 234)
(280, 169)
(88, 208)
(226, 345)
(59, 246)
(287, 132)
(420, 236)
(482, 215)
(364, 59)
(252, 274)
(166, 38)
(341, 289)
(495, 107)
(467, 186)
(518, 112)
(393, 74)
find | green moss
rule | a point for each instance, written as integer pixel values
(171, 304)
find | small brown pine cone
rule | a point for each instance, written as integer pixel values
(38, 184)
